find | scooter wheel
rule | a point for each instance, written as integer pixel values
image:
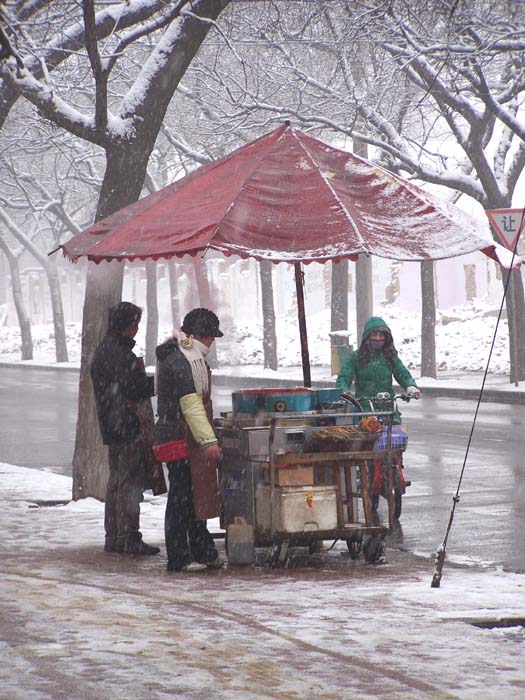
(398, 496)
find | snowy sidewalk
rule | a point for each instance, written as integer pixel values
(80, 623)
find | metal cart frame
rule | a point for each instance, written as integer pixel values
(359, 534)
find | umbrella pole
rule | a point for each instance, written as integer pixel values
(305, 355)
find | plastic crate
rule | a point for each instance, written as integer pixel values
(399, 438)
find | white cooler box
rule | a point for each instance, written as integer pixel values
(297, 508)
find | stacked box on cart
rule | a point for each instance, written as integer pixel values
(296, 509)
(293, 475)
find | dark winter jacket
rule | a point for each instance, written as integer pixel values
(376, 375)
(118, 378)
(186, 415)
(174, 380)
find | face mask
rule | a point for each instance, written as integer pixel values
(205, 349)
(376, 344)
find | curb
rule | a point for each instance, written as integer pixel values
(490, 395)
(49, 368)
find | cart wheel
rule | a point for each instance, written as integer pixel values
(374, 549)
(279, 556)
(273, 556)
(355, 546)
(315, 546)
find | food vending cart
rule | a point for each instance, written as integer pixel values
(295, 468)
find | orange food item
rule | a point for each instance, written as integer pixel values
(370, 424)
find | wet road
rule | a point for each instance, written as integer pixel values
(38, 415)
(37, 426)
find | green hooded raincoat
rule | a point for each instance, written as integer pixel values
(377, 375)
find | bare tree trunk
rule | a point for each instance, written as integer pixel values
(18, 299)
(428, 321)
(339, 296)
(125, 172)
(205, 298)
(174, 294)
(90, 467)
(55, 293)
(268, 311)
(338, 313)
(364, 296)
(126, 165)
(152, 310)
(203, 284)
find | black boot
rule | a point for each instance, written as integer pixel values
(140, 547)
(114, 547)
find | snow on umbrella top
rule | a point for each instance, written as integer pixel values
(286, 197)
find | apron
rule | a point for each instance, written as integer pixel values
(206, 499)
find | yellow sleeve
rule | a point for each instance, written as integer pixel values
(195, 416)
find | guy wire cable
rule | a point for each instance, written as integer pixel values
(441, 552)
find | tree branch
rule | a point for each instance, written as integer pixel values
(28, 244)
(71, 40)
(99, 74)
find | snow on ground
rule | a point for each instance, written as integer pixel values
(463, 339)
(77, 622)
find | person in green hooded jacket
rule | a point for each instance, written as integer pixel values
(373, 366)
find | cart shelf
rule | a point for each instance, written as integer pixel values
(317, 457)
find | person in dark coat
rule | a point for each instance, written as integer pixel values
(119, 382)
(185, 413)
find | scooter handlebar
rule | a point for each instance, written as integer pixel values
(408, 397)
(385, 396)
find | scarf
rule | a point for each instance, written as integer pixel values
(195, 352)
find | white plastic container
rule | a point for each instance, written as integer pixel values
(297, 508)
(241, 542)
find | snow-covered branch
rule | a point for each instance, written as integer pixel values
(100, 74)
(68, 40)
(24, 240)
(52, 106)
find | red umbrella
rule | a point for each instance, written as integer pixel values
(287, 197)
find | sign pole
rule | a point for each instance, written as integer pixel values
(509, 224)
(513, 335)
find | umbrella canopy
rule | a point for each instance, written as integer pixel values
(286, 197)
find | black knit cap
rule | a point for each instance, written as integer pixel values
(201, 322)
(123, 315)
